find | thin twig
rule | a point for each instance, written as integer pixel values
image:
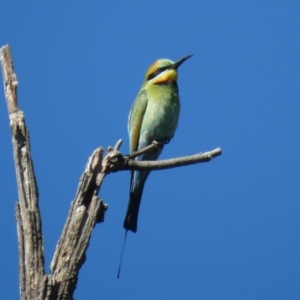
(155, 144)
(120, 163)
(118, 145)
(173, 162)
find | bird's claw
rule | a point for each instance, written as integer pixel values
(161, 142)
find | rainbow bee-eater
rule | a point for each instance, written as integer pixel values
(153, 117)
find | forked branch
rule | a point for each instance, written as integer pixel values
(118, 162)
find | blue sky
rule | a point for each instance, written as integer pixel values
(228, 229)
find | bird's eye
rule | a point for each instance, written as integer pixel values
(158, 71)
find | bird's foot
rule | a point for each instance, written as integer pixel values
(161, 142)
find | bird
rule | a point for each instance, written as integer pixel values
(153, 117)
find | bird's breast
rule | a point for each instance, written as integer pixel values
(162, 113)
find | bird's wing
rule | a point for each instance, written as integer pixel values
(135, 119)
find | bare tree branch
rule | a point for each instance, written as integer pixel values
(169, 163)
(154, 144)
(27, 210)
(118, 162)
(85, 212)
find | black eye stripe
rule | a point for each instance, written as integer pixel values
(156, 72)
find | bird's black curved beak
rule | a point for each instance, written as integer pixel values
(180, 61)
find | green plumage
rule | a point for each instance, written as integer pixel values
(157, 107)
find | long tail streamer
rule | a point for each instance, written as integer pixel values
(122, 254)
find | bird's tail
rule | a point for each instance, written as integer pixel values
(131, 218)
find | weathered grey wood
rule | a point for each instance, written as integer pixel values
(85, 211)
(31, 259)
(123, 163)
